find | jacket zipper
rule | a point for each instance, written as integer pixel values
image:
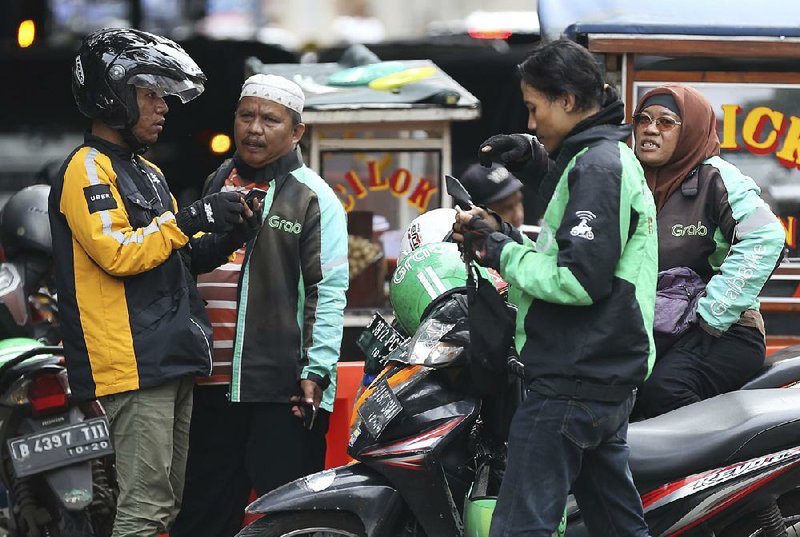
(208, 346)
(147, 174)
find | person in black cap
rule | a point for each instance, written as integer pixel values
(497, 189)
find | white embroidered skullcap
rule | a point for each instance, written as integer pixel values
(275, 88)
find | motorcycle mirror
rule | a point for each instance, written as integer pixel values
(459, 194)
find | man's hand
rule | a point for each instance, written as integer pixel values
(312, 394)
(251, 222)
(215, 213)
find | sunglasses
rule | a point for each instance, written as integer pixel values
(663, 123)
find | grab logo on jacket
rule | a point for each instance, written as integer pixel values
(692, 230)
(282, 224)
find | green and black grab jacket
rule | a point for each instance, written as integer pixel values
(586, 289)
(292, 287)
(718, 225)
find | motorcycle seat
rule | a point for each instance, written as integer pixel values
(728, 428)
(777, 374)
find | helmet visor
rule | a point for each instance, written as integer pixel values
(185, 89)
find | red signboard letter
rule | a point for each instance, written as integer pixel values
(789, 224)
(376, 182)
(422, 194)
(356, 184)
(789, 155)
(400, 182)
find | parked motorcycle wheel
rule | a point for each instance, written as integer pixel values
(76, 523)
(306, 524)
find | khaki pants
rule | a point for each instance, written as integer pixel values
(150, 432)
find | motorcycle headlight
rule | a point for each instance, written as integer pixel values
(426, 347)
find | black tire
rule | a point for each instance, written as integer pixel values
(103, 508)
(76, 524)
(306, 524)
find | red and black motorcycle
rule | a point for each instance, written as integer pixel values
(728, 466)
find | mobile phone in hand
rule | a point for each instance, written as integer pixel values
(309, 414)
(254, 193)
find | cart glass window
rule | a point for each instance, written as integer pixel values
(395, 185)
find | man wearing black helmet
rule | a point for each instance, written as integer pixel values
(135, 330)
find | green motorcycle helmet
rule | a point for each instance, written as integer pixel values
(422, 276)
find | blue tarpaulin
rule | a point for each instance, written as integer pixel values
(766, 18)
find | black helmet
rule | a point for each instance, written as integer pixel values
(111, 63)
(24, 224)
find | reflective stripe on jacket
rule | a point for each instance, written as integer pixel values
(130, 313)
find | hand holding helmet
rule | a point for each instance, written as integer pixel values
(216, 213)
(471, 230)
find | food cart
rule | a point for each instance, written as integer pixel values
(743, 57)
(384, 152)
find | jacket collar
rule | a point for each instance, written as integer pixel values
(106, 146)
(274, 170)
(604, 125)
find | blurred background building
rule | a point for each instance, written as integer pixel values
(39, 124)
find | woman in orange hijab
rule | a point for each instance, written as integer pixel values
(712, 220)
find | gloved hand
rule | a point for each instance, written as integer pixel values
(242, 233)
(216, 213)
(475, 232)
(511, 150)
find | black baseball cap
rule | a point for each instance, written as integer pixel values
(487, 185)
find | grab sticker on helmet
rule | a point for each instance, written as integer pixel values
(433, 226)
(423, 276)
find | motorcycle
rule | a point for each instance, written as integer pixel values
(420, 438)
(728, 466)
(57, 458)
(56, 455)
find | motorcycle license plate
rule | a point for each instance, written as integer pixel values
(61, 446)
(379, 409)
(379, 338)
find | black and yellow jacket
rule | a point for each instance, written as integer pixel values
(130, 312)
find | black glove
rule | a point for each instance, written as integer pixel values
(475, 232)
(511, 150)
(244, 232)
(216, 213)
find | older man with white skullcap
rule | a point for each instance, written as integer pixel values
(260, 420)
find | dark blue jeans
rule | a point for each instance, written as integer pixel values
(558, 445)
